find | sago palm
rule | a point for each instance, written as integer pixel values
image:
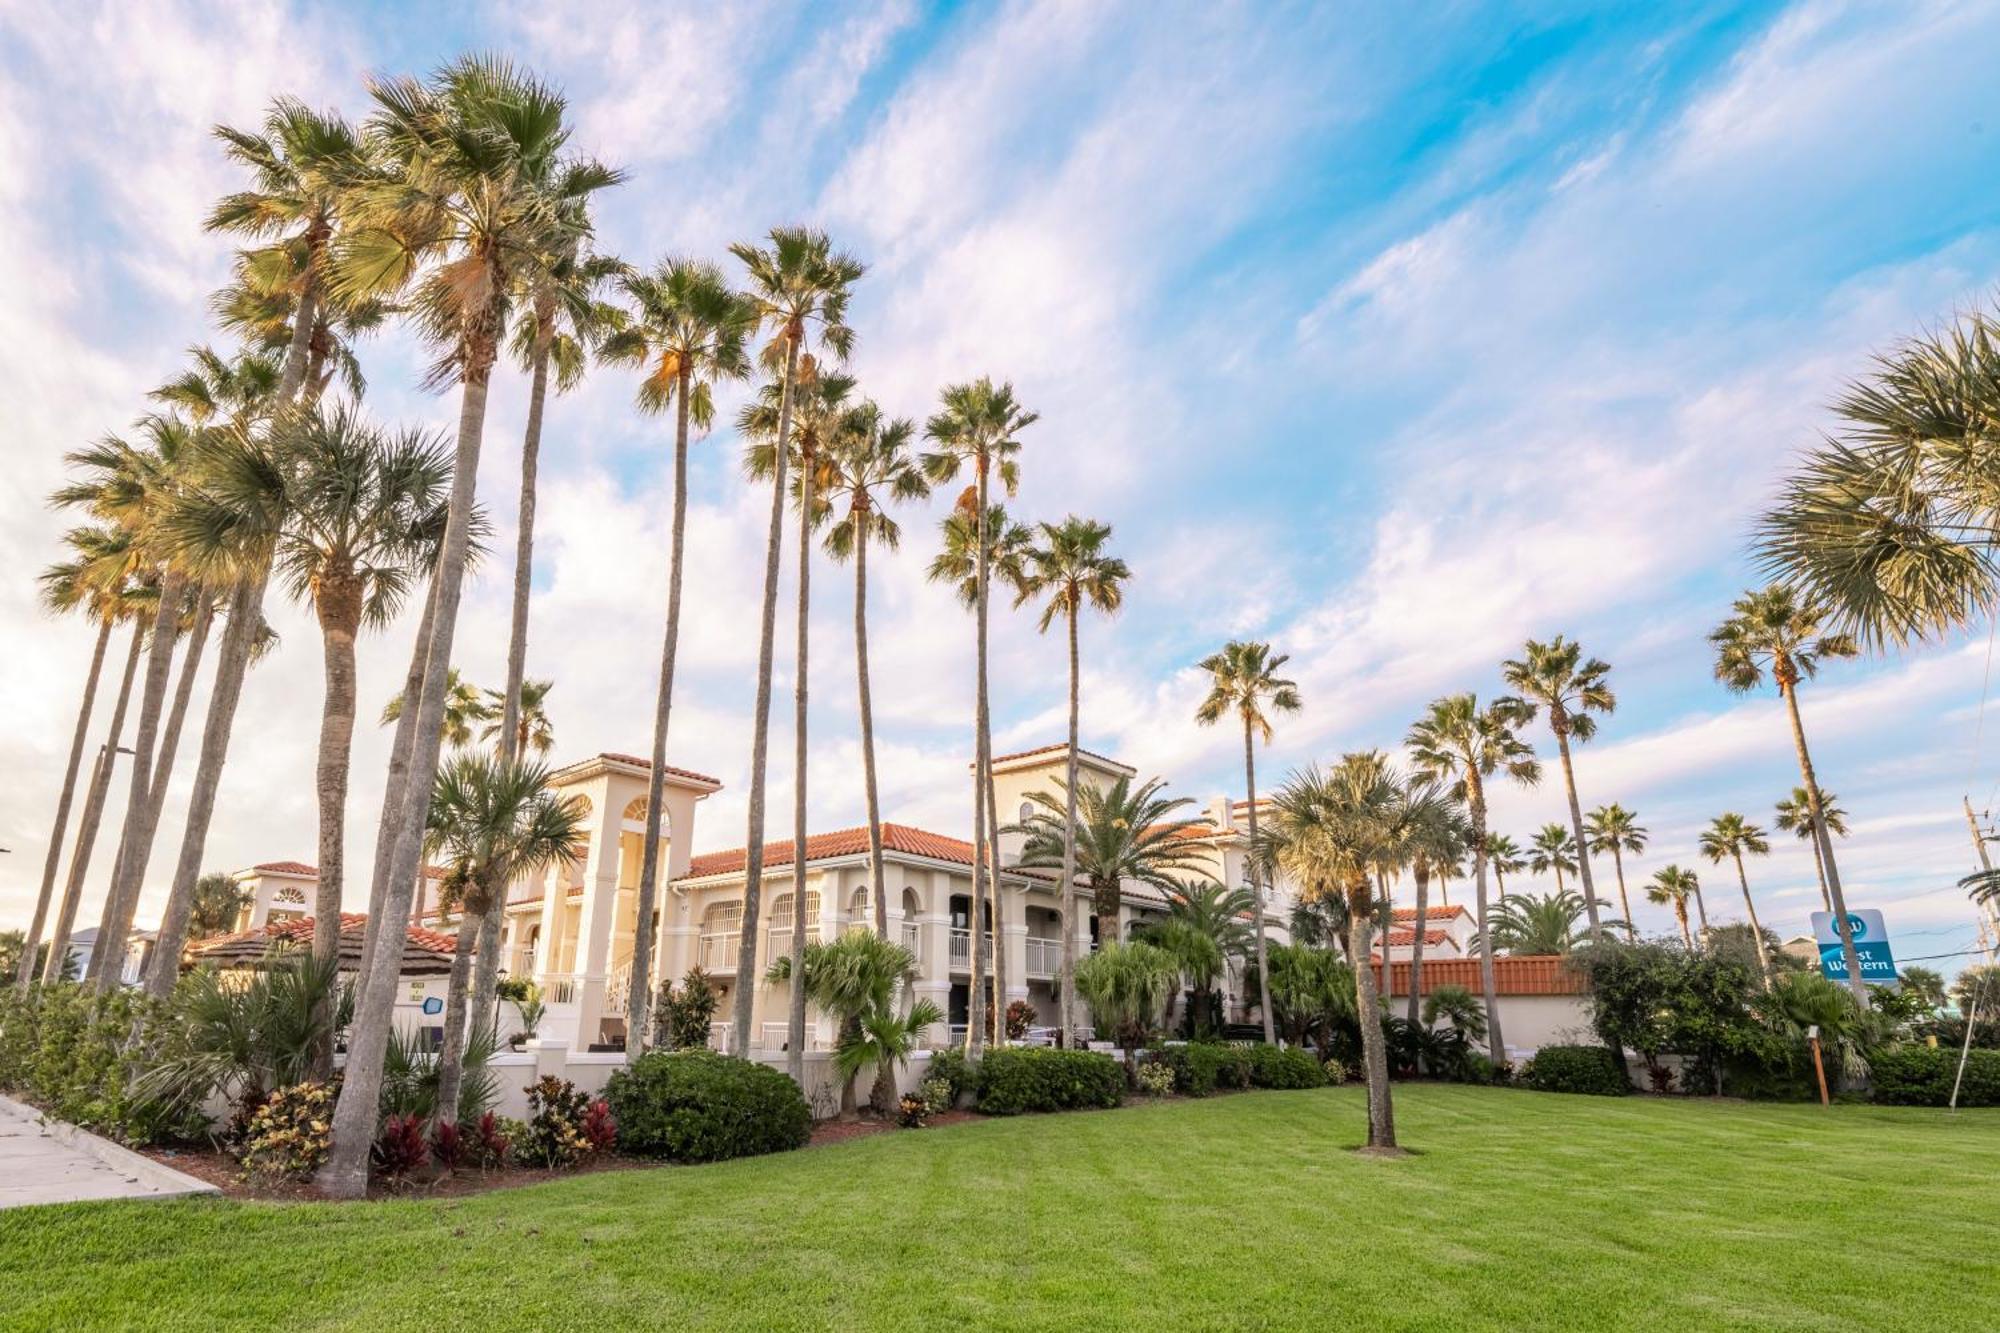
(799, 287)
(1555, 678)
(1728, 837)
(688, 331)
(1458, 742)
(1779, 634)
(1612, 828)
(1069, 568)
(1244, 684)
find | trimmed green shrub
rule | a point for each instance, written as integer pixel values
(1922, 1076)
(1587, 1069)
(1278, 1067)
(1039, 1078)
(700, 1106)
(79, 1056)
(958, 1073)
(1200, 1067)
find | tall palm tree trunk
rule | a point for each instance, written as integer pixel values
(1000, 1000)
(1071, 901)
(638, 1000)
(345, 1175)
(1576, 828)
(1855, 981)
(975, 1035)
(396, 788)
(524, 531)
(338, 603)
(883, 1095)
(1681, 915)
(25, 972)
(1264, 1005)
(451, 1054)
(107, 959)
(795, 1025)
(170, 734)
(239, 643)
(760, 733)
(1819, 869)
(1374, 1056)
(1496, 1045)
(1421, 873)
(1624, 903)
(93, 812)
(1756, 929)
(1701, 906)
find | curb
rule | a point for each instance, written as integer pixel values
(163, 1181)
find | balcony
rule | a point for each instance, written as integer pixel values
(1044, 957)
(913, 941)
(717, 952)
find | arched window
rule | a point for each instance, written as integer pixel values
(858, 906)
(913, 906)
(781, 910)
(721, 917)
(635, 810)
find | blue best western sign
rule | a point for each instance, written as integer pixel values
(1871, 946)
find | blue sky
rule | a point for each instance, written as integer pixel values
(1395, 335)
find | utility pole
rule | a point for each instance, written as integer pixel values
(1986, 864)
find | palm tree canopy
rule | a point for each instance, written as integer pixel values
(487, 813)
(850, 975)
(465, 706)
(686, 320)
(977, 424)
(1068, 564)
(1672, 886)
(1794, 814)
(1456, 738)
(1122, 832)
(1891, 525)
(1773, 630)
(537, 732)
(1334, 830)
(1731, 835)
(1206, 925)
(1553, 850)
(1555, 676)
(1244, 682)
(800, 285)
(819, 407)
(1007, 550)
(1542, 924)
(869, 466)
(1504, 854)
(1126, 987)
(563, 289)
(1614, 828)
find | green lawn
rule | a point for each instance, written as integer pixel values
(1520, 1209)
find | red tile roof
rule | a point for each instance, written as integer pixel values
(1512, 975)
(1051, 749)
(845, 842)
(1404, 938)
(1430, 914)
(425, 951)
(312, 872)
(638, 762)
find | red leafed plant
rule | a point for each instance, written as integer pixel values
(490, 1142)
(599, 1128)
(400, 1148)
(447, 1145)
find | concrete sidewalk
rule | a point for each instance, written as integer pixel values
(51, 1162)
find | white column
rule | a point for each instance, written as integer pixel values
(600, 908)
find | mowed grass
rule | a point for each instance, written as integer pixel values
(1517, 1210)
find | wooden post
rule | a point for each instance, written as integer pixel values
(1971, 1017)
(1819, 1068)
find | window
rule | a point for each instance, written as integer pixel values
(858, 905)
(1027, 811)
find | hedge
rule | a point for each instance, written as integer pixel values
(1039, 1078)
(699, 1106)
(76, 1054)
(1587, 1069)
(1922, 1076)
(1280, 1067)
(1200, 1067)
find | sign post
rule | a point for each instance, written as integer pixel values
(1812, 1034)
(1871, 946)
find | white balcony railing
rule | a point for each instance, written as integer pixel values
(560, 987)
(913, 940)
(1044, 957)
(618, 990)
(718, 951)
(961, 946)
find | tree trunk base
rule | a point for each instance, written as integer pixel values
(1371, 1150)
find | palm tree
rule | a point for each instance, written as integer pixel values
(1334, 832)
(1553, 849)
(1313, 992)
(689, 332)
(1243, 681)
(1730, 836)
(1506, 858)
(219, 900)
(1673, 886)
(1070, 567)
(800, 285)
(1538, 925)
(1202, 931)
(470, 187)
(1458, 742)
(490, 818)
(466, 707)
(1120, 833)
(1554, 676)
(86, 582)
(1436, 839)
(532, 731)
(978, 425)
(1612, 828)
(869, 468)
(1794, 815)
(1126, 987)
(1777, 632)
(856, 979)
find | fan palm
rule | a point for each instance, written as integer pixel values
(1540, 924)
(689, 331)
(1243, 682)
(1437, 837)
(1555, 678)
(1459, 742)
(1202, 931)
(470, 190)
(1794, 815)
(1553, 848)
(1612, 828)
(1126, 987)
(1120, 833)
(1777, 633)
(800, 286)
(1070, 568)
(533, 731)
(258, 306)
(869, 468)
(1672, 886)
(1312, 992)
(466, 707)
(219, 900)
(490, 818)
(856, 980)
(1506, 858)
(1729, 836)
(977, 425)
